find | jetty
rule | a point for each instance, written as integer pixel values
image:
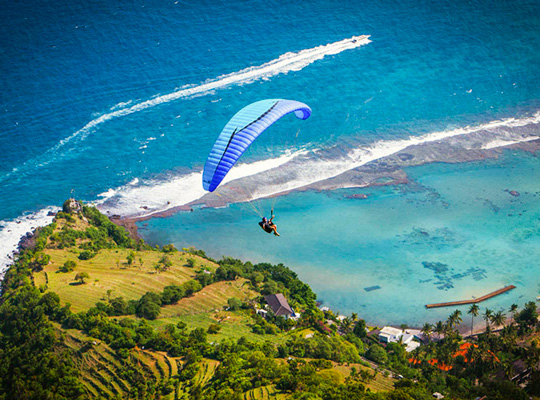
(472, 301)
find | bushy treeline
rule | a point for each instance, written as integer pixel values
(270, 279)
(33, 362)
(102, 233)
(149, 305)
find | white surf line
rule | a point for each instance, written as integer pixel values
(283, 64)
(11, 233)
(177, 191)
(182, 190)
(315, 170)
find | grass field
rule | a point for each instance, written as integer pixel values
(212, 298)
(108, 270)
(264, 393)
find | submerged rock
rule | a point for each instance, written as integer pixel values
(357, 196)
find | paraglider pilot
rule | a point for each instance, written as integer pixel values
(268, 225)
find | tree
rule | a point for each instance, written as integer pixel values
(86, 255)
(256, 278)
(40, 260)
(213, 328)
(473, 311)
(149, 310)
(81, 276)
(130, 258)
(376, 353)
(68, 266)
(169, 248)
(172, 293)
(498, 318)
(234, 303)
(527, 317)
(427, 330)
(513, 311)
(165, 262)
(454, 319)
(360, 329)
(487, 317)
(346, 325)
(439, 328)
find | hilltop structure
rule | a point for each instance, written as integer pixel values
(279, 305)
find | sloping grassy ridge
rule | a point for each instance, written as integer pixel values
(125, 320)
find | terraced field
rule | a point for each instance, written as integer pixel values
(381, 383)
(264, 393)
(106, 374)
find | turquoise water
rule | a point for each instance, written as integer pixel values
(459, 218)
(119, 104)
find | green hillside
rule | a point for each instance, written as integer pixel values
(87, 312)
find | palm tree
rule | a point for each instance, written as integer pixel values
(473, 311)
(456, 318)
(346, 325)
(439, 328)
(487, 316)
(498, 318)
(354, 316)
(450, 321)
(513, 310)
(427, 330)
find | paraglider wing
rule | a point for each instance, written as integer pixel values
(246, 125)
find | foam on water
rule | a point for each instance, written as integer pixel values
(294, 170)
(285, 63)
(11, 233)
(160, 195)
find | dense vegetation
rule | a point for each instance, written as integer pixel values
(122, 347)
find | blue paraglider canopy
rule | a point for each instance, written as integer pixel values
(246, 125)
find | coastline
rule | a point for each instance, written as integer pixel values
(384, 171)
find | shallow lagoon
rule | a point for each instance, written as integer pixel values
(454, 232)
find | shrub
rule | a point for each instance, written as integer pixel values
(214, 328)
(68, 266)
(234, 303)
(169, 248)
(86, 255)
(81, 276)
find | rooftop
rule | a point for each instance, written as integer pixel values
(278, 304)
(391, 331)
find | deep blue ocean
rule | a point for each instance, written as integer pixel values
(119, 104)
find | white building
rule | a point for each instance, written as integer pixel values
(389, 334)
